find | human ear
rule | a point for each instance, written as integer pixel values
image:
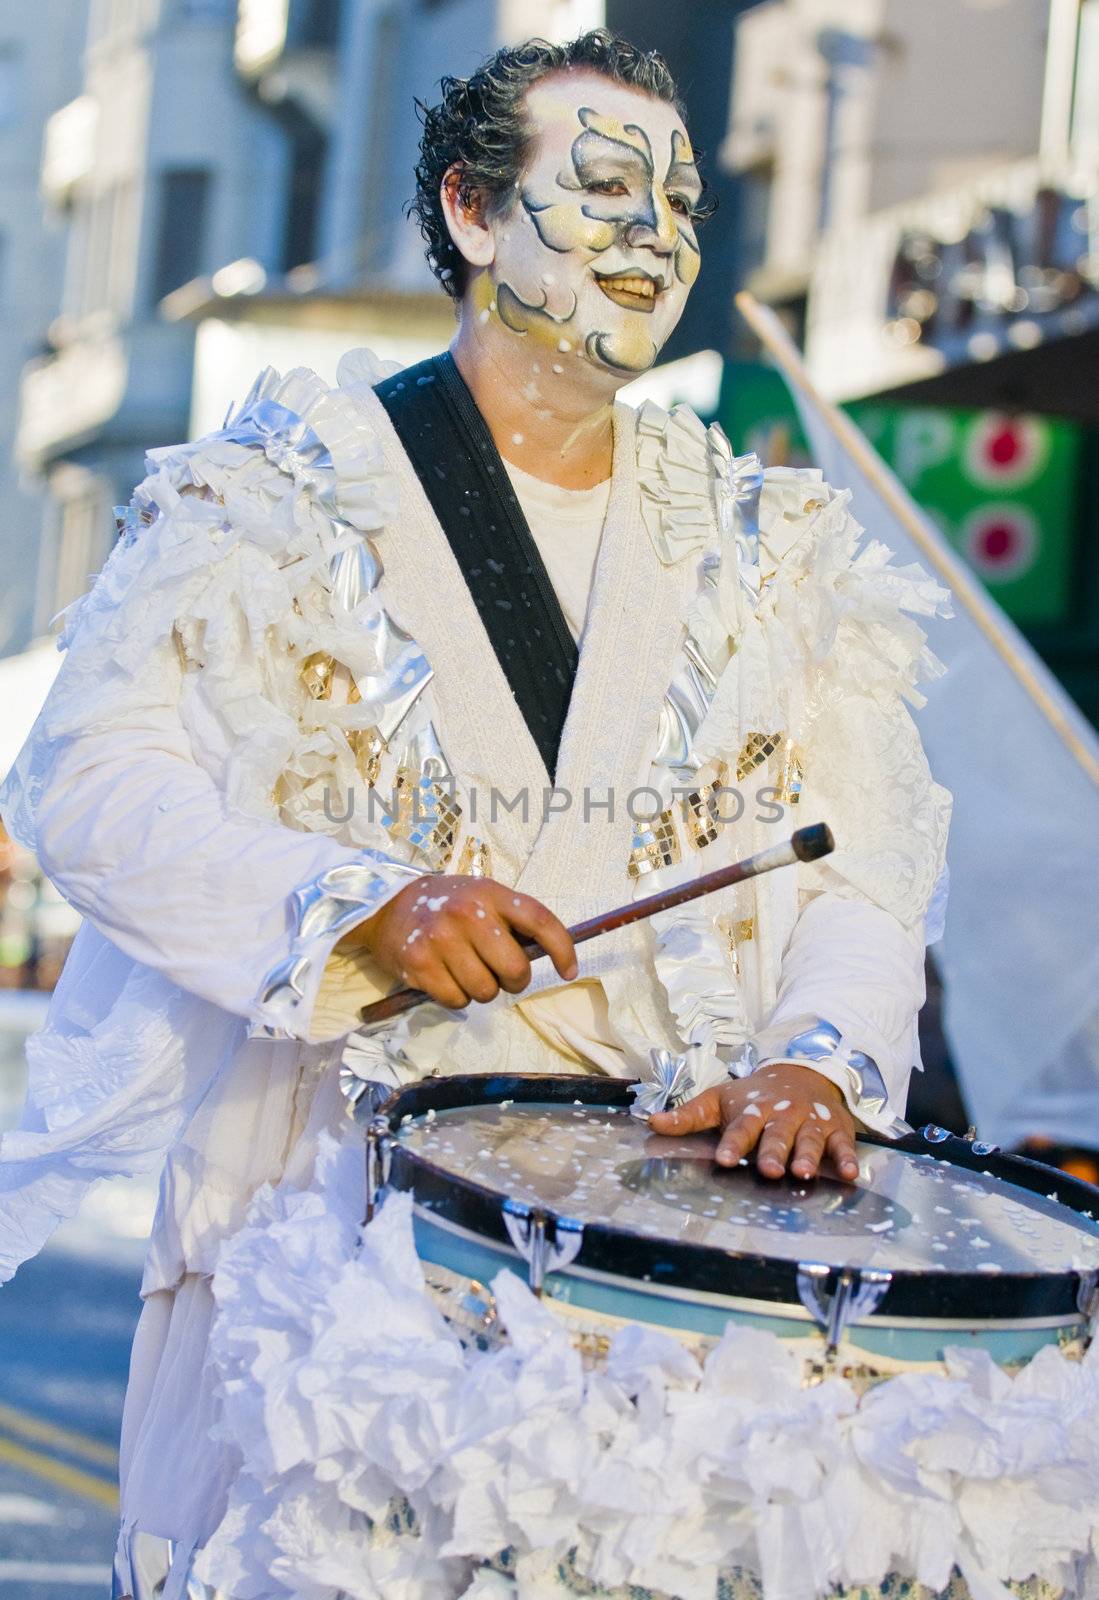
(465, 220)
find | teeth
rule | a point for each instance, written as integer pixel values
(644, 288)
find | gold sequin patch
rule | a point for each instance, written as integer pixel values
(368, 747)
(428, 814)
(792, 774)
(758, 749)
(317, 674)
(700, 808)
(475, 860)
(736, 931)
(655, 845)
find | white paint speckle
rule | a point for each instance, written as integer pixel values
(752, 1111)
(753, 1094)
(547, 277)
(413, 936)
(515, 900)
(563, 345)
(438, 902)
(422, 901)
(517, 438)
(496, 931)
(557, 367)
(484, 315)
(781, 1105)
(880, 1227)
(822, 1111)
(535, 368)
(480, 911)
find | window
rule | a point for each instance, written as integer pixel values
(82, 529)
(181, 228)
(102, 253)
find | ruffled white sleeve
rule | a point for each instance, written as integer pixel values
(240, 912)
(850, 990)
(176, 785)
(852, 979)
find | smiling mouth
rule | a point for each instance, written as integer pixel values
(635, 291)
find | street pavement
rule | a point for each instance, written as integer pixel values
(66, 1322)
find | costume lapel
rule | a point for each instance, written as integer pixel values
(481, 727)
(457, 462)
(575, 859)
(578, 863)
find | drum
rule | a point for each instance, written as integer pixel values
(939, 1243)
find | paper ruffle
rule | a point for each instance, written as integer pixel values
(347, 1395)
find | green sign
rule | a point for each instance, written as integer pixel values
(1003, 489)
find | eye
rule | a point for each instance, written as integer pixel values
(611, 186)
(680, 204)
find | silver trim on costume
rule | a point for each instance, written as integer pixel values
(861, 1079)
(323, 908)
(670, 1081)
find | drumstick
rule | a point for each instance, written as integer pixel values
(805, 844)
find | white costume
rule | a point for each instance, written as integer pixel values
(282, 628)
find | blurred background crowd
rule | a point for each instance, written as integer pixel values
(193, 189)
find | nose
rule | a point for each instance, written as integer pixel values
(654, 227)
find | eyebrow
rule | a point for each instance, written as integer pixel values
(685, 174)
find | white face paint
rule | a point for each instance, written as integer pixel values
(595, 259)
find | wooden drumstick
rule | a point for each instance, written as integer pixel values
(806, 844)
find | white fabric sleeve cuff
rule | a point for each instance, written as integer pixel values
(316, 992)
(851, 988)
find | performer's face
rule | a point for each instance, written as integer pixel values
(596, 257)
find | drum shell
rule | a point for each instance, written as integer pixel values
(696, 1289)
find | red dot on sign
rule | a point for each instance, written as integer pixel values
(997, 541)
(1004, 447)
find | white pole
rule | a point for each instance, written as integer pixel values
(1060, 80)
(967, 591)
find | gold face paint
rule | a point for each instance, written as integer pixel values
(598, 254)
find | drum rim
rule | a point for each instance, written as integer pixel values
(1008, 1299)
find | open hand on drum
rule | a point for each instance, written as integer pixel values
(459, 938)
(793, 1115)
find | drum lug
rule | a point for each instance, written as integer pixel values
(1087, 1299)
(527, 1230)
(858, 1293)
(379, 1141)
(979, 1147)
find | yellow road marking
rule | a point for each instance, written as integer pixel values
(27, 1426)
(65, 1477)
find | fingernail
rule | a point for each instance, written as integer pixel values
(571, 970)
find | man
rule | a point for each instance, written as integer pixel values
(383, 680)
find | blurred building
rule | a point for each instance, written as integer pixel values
(161, 168)
(920, 198)
(40, 67)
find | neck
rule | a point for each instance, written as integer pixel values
(541, 420)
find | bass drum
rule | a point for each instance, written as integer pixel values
(939, 1242)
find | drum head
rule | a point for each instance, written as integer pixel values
(962, 1235)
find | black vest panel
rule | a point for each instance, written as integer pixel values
(454, 456)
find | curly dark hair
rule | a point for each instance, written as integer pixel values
(480, 126)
